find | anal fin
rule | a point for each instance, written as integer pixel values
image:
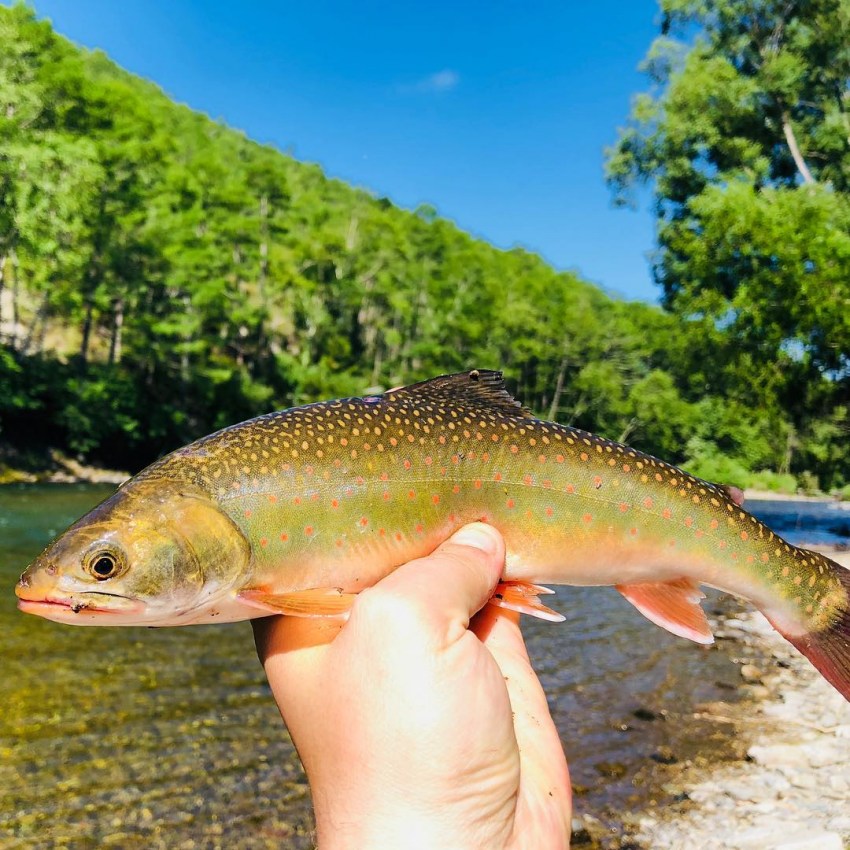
(673, 605)
(316, 602)
(524, 597)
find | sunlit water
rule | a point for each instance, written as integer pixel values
(169, 738)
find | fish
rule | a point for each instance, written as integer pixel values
(296, 512)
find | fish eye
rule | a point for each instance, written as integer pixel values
(104, 565)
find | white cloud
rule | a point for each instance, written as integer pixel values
(441, 81)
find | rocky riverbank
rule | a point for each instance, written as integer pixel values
(792, 790)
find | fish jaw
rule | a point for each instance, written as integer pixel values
(95, 609)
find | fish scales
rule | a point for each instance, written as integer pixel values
(337, 494)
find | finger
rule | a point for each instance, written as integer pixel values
(437, 595)
(544, 776)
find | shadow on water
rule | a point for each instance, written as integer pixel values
(169, 738)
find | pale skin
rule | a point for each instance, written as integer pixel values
(419, 719)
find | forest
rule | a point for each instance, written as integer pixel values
(162, 275)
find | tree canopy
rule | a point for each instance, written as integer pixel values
(161, 275)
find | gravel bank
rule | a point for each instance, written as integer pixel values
(793, 790)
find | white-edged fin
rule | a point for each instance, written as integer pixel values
(523, 597)
(673, 605)
(316, 602)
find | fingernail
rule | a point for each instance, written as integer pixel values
(479, 536)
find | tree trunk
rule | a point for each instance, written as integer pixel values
(559, 388)
(117, 326)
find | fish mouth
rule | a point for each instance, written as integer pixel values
(67, 609)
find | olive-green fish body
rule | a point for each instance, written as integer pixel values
(338, 494)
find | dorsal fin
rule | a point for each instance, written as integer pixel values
(476, 388)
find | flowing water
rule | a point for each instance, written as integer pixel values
(169, 738)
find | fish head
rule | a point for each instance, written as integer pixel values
(154, 553)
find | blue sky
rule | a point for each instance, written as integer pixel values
(496, 113)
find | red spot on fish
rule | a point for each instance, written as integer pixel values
(494, 438)
(452, 517)
(571, 488)
(689, 521)
(393, 441)
(721, 544)
(248, 513)
(398, 536)
(597, 482)
(419, 528)
(284, 537)
(272, 498)
(308, 530)
(455, 459)
(334, 503)
(428, 460)
(435, 499)
(314, 497)
(699, 533)
(623, 507)
(549, 512)
(633, 532)
(387, 496)
(385, 476)
(485, 456)
(547, 484)
(382, 532)
(667, 513)
(343, 441)
(264, 541)
(514, 449)
(477, 484)
(671, 543)
(411, 494)
(297, 500)
(527, 480)
(359, 480)
(364, 522)
(510, 503)
(456, 488)
(750, 559)
(339, 544)
(406, 464)
(647, 503)
(713, 524)
(497, 476)
(587, 518)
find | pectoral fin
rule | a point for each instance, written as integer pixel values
(673, 605)
(316, 602)
(523, 597)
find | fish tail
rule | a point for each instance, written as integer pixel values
(828, 647)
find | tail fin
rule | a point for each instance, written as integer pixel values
(829, 649)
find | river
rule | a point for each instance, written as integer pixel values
(169, 738)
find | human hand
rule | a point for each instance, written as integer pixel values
(420, 723)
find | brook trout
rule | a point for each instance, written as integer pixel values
(296, 512)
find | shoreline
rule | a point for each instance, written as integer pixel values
(791, 789)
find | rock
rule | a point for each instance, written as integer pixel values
(814, 840)
(751, 674)
(778, 755)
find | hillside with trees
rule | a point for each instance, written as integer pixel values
(162, 276)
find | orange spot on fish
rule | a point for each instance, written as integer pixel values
(428, 460)
(623, 507)
(343, 441)
(583, 455)
(541, 458)
(334, 503)
(477, 484)
(587, 518)
(721, 544)
(419, 528)
(559, 458)
(308, 470)
(314, 497)
(527, 480)
(308, 530)
(364, 522)
(385, 476)
(549, 512)
(510, 503)
(657, 476)
(359, 480)
(597, 481)
(455, 458)
(765, 557)
(494, 438)
(647, 503)
(699, 533)
(514, 449)
(284, 537)
(411, 494)
(435, 499)
(689, 521)
(497, 476)
(667, 513)
(406, 464)
(410, 438)
(744, 535)
(547, 484)
(272, 498)
(456, 488)
(393, 441)
(485, 456)
(713, 524)
(633, 532)
(570, 488)
(442, 440)
(398, 535)
(626, 468)
(248, 513)
(264, 541)
(382, 532)
(387, 495)
(297, 500)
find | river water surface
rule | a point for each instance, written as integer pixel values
(169, 738)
